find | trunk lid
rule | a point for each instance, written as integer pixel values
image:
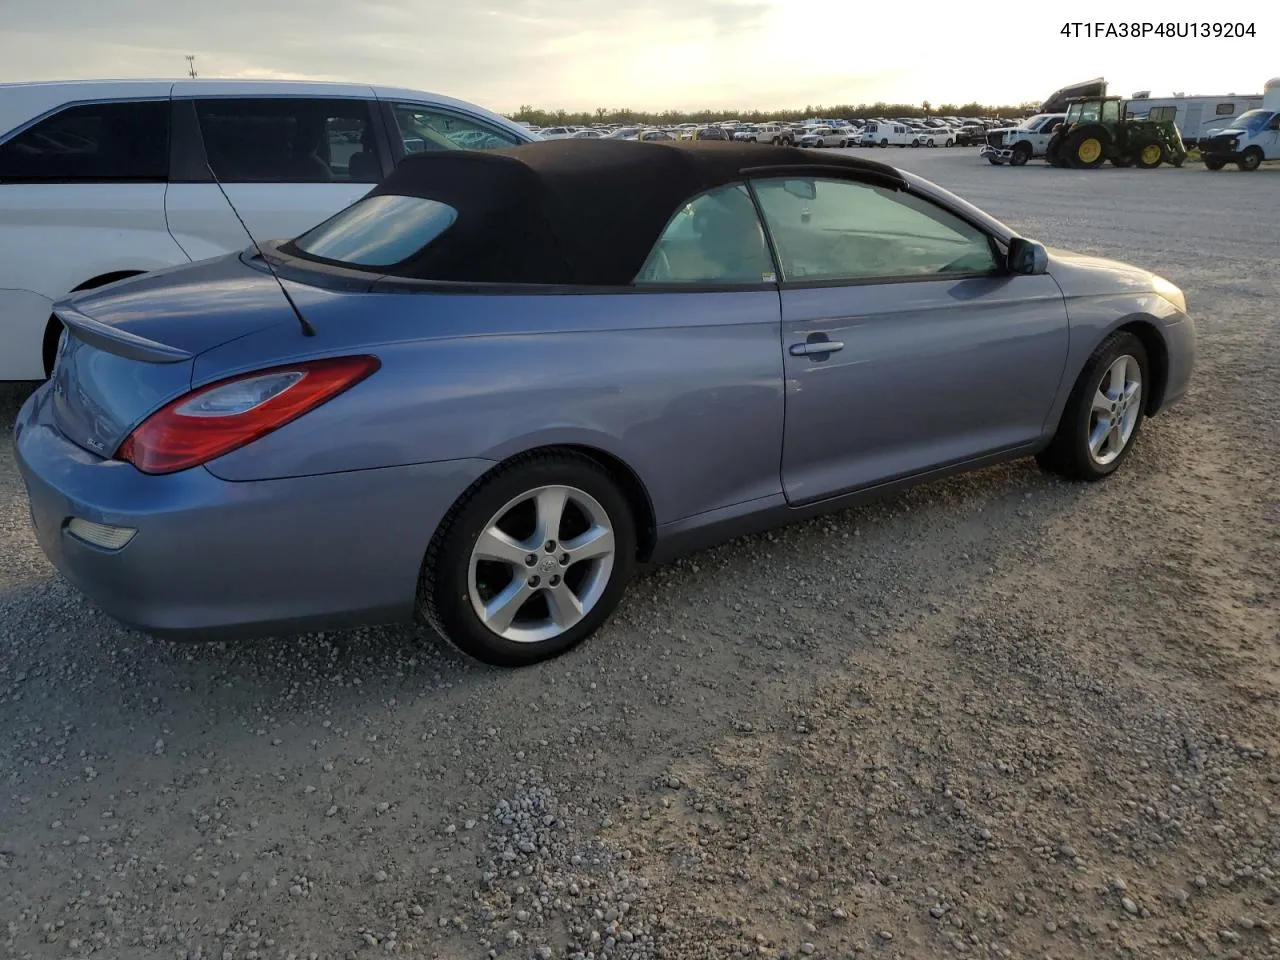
(130, 347)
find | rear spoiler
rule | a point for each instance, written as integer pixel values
(117, 341)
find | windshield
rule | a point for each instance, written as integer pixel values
(378, 231)
(1253, 121)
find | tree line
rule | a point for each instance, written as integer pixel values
(847, 111)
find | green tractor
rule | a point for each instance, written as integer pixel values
(1098, 129)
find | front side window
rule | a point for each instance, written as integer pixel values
(845, 231)
(1110, 111)
(424, 128)
(378, 231)
(714, 238)
(1160, 114)
(92, 142)
(1255, 120)
(288, 140)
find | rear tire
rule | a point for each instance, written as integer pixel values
(1250, 160)
(1101, 421)
(560, 607)
(1087, 147)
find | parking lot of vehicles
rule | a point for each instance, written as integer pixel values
(953, 723)
(104, 180)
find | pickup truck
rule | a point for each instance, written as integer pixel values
(1017, 145)
(1247, 141)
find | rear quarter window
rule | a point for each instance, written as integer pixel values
(378, 231)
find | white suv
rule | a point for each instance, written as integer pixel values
(101, 180)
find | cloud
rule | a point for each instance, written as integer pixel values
(580, 54)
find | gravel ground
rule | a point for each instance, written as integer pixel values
(1000, 716)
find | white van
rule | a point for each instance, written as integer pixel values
(1250, 138)
(102, 180)
(880, 134)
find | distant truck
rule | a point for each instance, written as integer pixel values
(1250, 139)
(1016, 145)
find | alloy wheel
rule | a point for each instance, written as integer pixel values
(541, 563)
(1117, 403)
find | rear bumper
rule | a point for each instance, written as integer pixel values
(221, 560)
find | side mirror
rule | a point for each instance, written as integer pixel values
(803, 189)
(1027, 257)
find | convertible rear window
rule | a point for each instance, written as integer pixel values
(378, 231)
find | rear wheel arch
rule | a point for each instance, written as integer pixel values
(628, 481)
(53, 328)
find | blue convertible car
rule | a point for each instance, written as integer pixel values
(501, 381)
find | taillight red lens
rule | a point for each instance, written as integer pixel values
(223, 416)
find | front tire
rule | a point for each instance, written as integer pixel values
(1214, 163)
(479, 588)
(1103, 414)
(1149, 156)
(1021, 154)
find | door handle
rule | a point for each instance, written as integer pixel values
(815, 348)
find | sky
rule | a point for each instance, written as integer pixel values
(645, 54)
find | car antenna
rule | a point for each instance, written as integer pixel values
(307, 329)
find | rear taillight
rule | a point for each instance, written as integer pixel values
(222, 416)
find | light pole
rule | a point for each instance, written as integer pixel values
(191, 65)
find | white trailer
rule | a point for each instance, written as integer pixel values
(1193, 116)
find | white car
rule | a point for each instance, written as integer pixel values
(102, 180)
(881, 134)
(819, 137)
(764, 133)
(926, 136)
(1016, 145)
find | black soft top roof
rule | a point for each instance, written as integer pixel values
(581, 212)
